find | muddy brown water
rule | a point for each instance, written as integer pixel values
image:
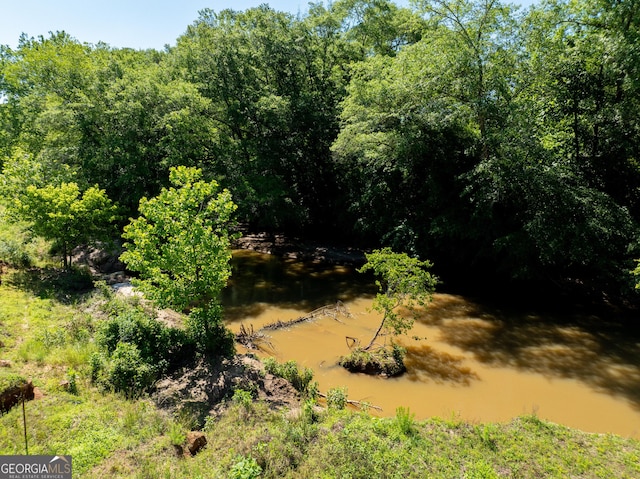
(465, 359)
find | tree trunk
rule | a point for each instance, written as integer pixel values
(375, 336)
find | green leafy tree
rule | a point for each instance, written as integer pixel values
(403, 282)
(65, 215)
(274, 84)
(180, 245)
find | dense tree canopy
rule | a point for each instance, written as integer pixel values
(491, 139)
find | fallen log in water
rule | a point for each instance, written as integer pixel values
(358, 404)
(331, 310)
(251, 339)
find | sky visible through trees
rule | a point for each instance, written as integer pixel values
(498, 142)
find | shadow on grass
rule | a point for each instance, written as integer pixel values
(601, 350)
(51, 283)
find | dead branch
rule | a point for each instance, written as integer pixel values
(358, 404)
(331, 310)
(251, 339)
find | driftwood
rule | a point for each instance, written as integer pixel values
(331, 310)
(251, 339)
(358, 404)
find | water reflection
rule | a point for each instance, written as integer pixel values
(601, 351)
(260, 281)
(425, 364)
(482, 362)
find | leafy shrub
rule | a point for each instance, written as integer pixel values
(337, 398)
(243, 398)
(300, 379)
(405, 420)
(208, 333)
(135, 349)
(176, 434)
(127, 372)
(134, 327)
(18, 248)
(245, 468)
(72, 378)
(381, 361)
(13, 252)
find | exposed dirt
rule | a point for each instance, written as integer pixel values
(201, 389)
(12, 395)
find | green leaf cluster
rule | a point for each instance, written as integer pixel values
(181, 242)
(66, 215)
(402, 281)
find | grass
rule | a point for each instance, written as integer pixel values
(49, 340)
(381, 361)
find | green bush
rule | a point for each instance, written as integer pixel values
(243, 398)
(337, 398)
(405, 421)
(134, 326)
(17, 247)
(126, 371)
(245, 468)
(135, 349)
(381, 361)
(72, 377)
(208, 333)
(13, 252)
(300, 379)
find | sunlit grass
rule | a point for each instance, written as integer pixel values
(109, 436)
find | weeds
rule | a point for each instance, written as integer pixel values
(405, 420)
(300, 379)
(337, 398)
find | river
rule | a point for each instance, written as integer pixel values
(465, 359)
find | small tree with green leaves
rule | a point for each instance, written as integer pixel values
(66, 216)
(403, 282)
(181, 246)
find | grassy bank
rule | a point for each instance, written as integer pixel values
(50, 340)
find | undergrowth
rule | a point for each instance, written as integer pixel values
(108, 435)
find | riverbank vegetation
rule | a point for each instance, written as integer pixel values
(501, 143)
(108, 435)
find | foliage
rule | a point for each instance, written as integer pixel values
(155, 341)
(402, 281)
(72, 378)
(387, 362)
(135, 349)
(206, 330)
(274, 84)
(176, 434)
(65, 215)
(405, 421)
(180, 244)
(126, 371)
(245, 468)
(337, 398)
(300, 379)
(491, 139)
(243, 398)
(17, 249)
